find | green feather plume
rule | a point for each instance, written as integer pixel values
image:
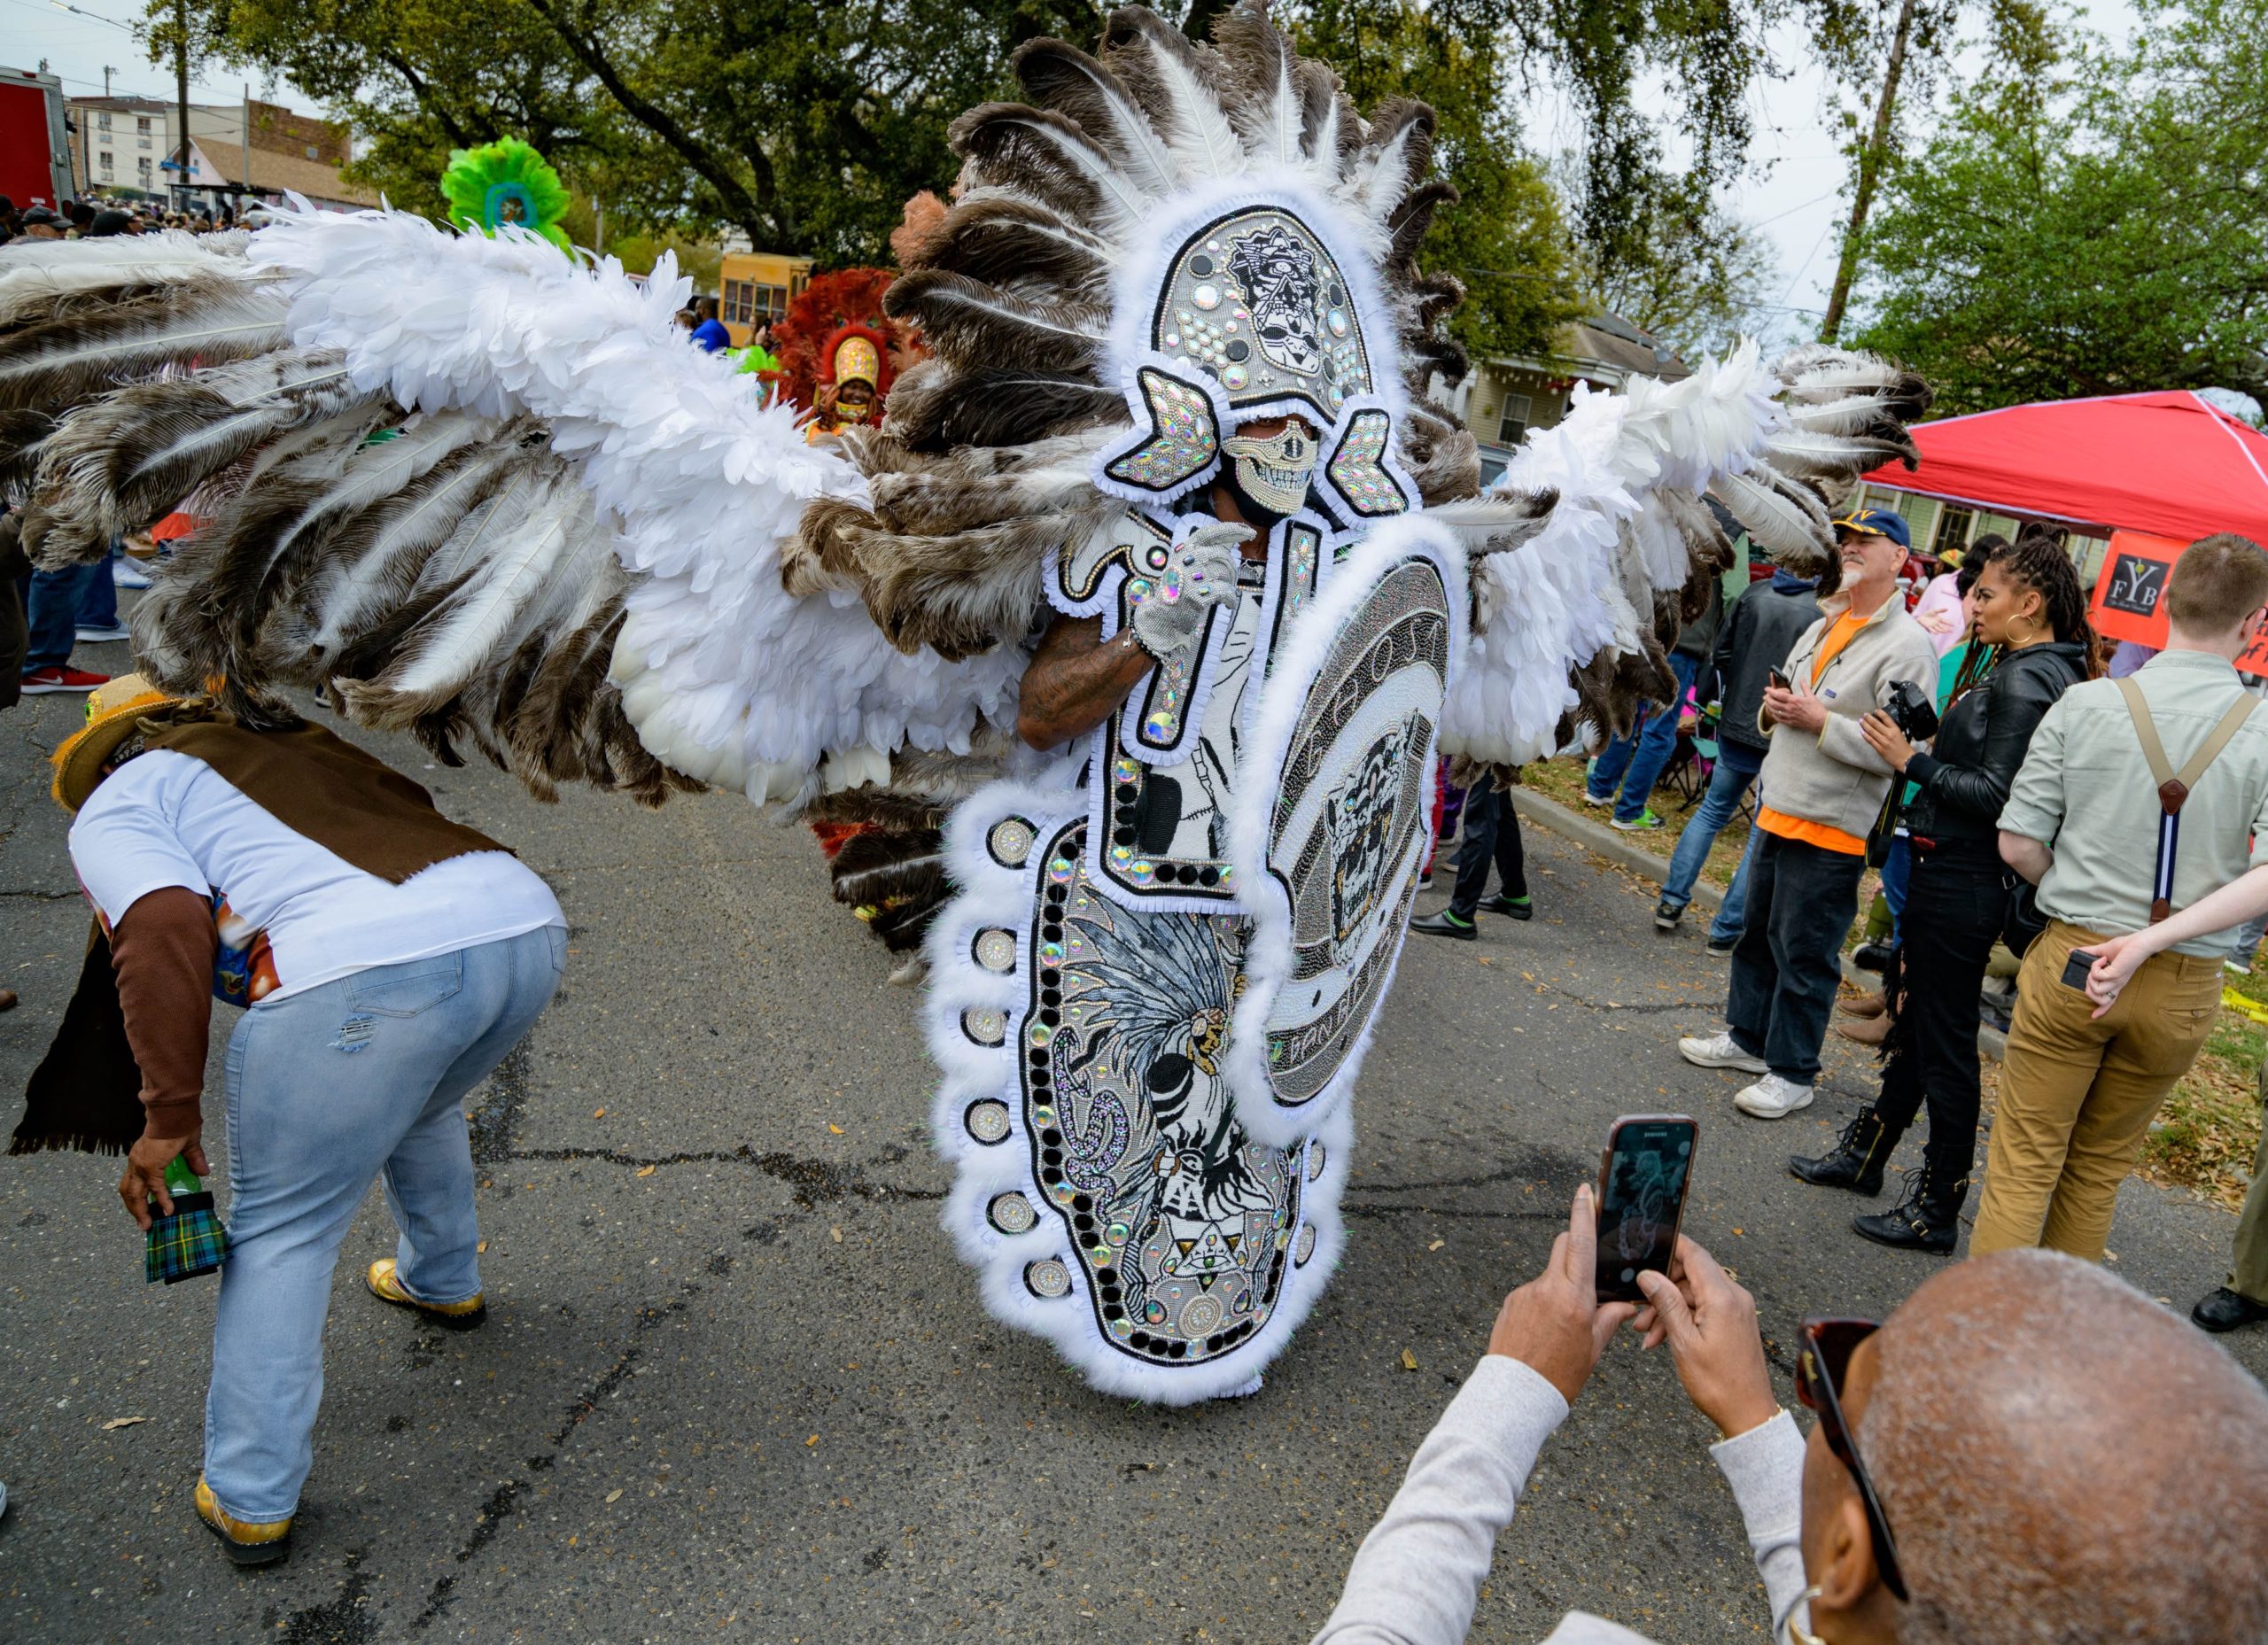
(507, 182)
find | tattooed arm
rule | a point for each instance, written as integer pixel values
(1075, 679)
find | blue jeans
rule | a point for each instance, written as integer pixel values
(1718, 806)
(1635, 762)
(1897, 875)
(327, 1090)
(1732, 913)
(56, 604)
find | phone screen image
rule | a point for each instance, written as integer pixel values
(1642, 1199)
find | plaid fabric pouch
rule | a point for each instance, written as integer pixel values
(190, 1242)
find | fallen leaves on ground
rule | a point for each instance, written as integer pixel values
(646, 1171)
(122, 1422)
(1408, 1360)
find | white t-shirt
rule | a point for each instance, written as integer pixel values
(169, 819)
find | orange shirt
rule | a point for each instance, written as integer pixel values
(1816, 834)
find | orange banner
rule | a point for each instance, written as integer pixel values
(2129, 589)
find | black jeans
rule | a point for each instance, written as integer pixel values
(1491, 828)
(1953, 917)
(1801, 899)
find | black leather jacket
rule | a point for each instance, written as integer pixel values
(1964, 781)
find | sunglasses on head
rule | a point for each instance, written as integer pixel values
(1822, 1366)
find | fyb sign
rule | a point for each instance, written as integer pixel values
(2134, 583)
(2130, 593)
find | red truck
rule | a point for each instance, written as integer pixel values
(34, 145)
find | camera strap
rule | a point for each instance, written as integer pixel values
(2174, 786)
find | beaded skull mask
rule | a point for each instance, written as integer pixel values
(1254, 321)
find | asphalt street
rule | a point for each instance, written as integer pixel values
(735, 1386)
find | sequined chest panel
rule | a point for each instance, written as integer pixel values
(1163, 766)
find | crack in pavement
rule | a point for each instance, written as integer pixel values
(503, 1501)
(813, 1180)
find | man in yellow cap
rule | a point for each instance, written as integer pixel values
(387, 958)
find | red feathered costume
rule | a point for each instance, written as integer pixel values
(845, 307)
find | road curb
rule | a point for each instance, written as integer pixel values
(1604, 841)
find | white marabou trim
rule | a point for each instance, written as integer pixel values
(1268, 955)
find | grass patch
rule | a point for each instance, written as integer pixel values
(2205, 1135)
(1563, 781)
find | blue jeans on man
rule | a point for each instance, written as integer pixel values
(1736, 768)
(325, 1090)
(1633, 764)
(57, 604)
(1732, 913)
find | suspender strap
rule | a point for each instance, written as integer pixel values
(2174, 786)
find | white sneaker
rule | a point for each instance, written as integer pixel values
(1719, 1051)
(1772, 1098)
(126, 574)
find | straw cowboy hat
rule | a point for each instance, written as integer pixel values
(114, 712)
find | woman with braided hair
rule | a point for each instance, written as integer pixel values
(2030, 640)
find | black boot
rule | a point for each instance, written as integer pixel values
(1928, 1219)
(1855, 1163)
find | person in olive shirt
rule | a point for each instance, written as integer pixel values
(2081, 1085)
(2032, 641)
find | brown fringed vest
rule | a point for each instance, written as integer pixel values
(86, 1092)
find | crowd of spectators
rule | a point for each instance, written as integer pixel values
(95, 218)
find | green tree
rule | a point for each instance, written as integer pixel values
(1687, 271)
(2104, 236)
(1507, 238)
(1900, 46)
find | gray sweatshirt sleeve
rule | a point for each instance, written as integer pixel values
(1416, 1578)
(1765, 1468)
(1417, 1574)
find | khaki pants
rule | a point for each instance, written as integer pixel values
(2249, 1277)
(2077, 1095)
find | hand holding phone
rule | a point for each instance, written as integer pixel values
(1643, 1174)
(1779, 679)
(2075, 969)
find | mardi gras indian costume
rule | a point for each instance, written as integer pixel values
(1169, 478)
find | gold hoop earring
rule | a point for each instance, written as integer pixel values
(1797, 1633)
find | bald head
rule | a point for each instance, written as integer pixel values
(2060, 1459)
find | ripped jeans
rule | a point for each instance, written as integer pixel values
(326, 1090)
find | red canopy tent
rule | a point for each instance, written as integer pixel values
(2160, 470)
(2168, 463)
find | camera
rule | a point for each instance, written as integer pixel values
(1911, 709)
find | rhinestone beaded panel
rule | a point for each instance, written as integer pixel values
(1358, 469)
(1181, 1225)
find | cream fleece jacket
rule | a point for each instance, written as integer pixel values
(1836, 778)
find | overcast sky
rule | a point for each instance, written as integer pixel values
(1792, 193)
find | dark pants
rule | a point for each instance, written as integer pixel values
(1953, 905)
(1492, 830)
(1788, 965)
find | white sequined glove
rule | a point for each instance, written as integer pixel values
(1201, 574)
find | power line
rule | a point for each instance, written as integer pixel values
(64, 5)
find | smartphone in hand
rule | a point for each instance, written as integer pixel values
(2076, 968)
(1779, 679)
(1643, 1174)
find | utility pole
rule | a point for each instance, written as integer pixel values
(600, 207)
(1871, 159)
(180, 87)
(107, 72)
(247, 193)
